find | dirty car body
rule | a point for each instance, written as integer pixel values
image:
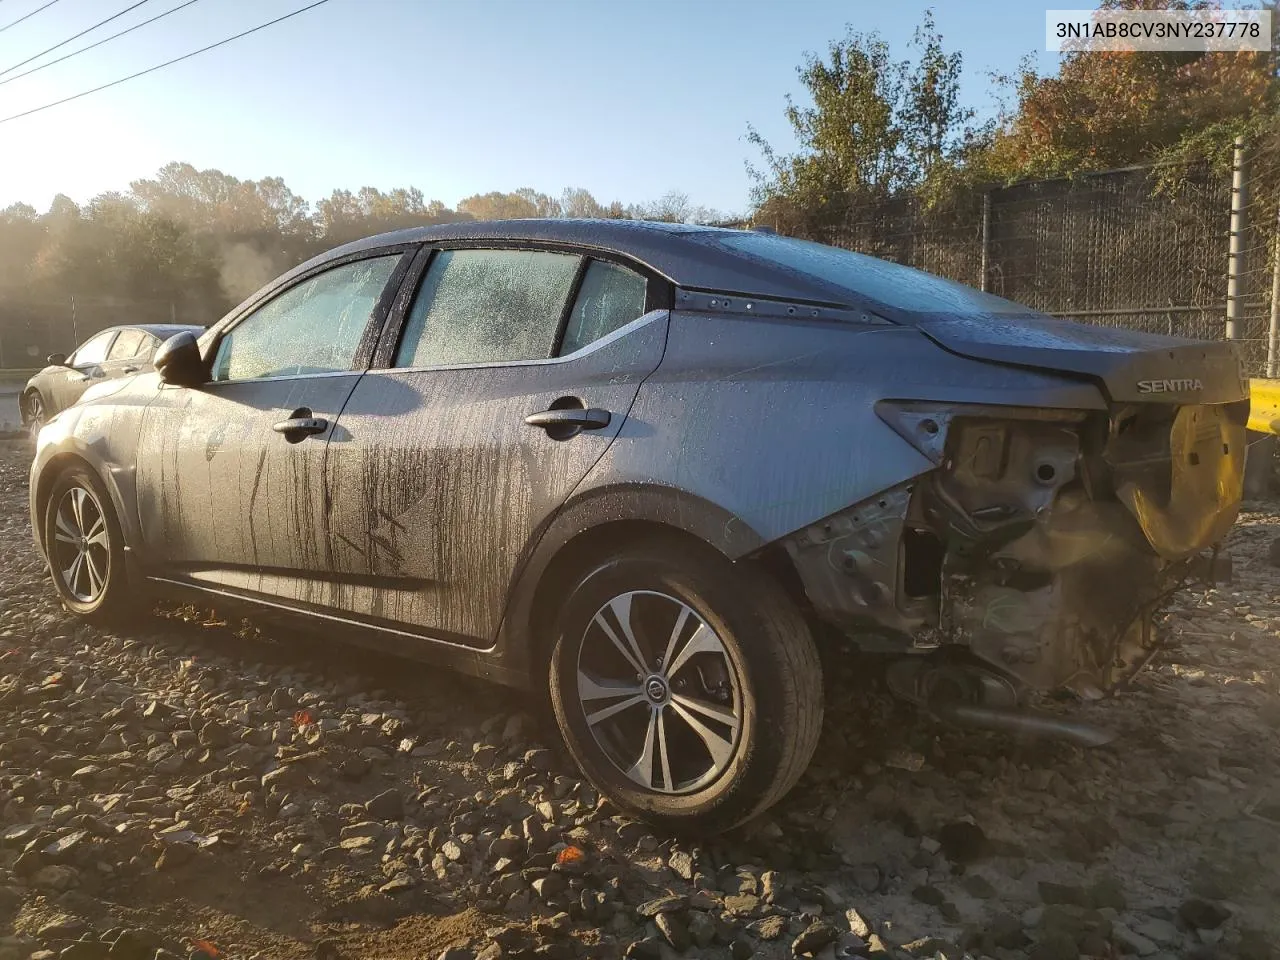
(922, 468)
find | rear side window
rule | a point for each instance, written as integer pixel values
(312, 328)
(487, 306)
(128, 344)
(610, 297)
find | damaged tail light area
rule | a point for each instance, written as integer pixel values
(1036, 552)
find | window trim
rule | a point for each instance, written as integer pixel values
(368, 337)
(659, 295)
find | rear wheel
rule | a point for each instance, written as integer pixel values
(85, 546)
(687, 688)
(34, 412)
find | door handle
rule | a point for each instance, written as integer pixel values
(298, 428)
(129, 370)
(590, 418)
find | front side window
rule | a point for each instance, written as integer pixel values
(487, 306)
(128, 344)
(93, 350)
(610, 297)
(314, 327)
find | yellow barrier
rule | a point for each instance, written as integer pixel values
(1264, 406)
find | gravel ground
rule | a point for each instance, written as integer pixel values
(189, 787)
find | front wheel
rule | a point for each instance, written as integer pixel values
(85, 546)
(687, 688)
(34, 412)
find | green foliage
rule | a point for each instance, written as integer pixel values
(875, 128)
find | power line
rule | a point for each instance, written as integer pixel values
(76, 37)
(98, 43)
(167, 63)
(27, 16)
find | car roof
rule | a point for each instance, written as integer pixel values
(163, 330)
(689, 255)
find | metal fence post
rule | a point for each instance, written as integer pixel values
(1273, 330)
(986, 239)
(1236, 243)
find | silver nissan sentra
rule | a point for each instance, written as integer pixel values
(654, 469)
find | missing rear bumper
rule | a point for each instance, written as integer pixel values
(1042, 545)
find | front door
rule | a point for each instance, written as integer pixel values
(231, 473)
(514, 371)
(84, 368)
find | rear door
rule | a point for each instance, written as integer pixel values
(506, 374)
(123, 358)
(231, 473)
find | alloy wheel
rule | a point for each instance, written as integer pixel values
(660, 691)
(35, 414)
(81, 546)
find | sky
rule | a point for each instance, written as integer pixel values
(627, 98)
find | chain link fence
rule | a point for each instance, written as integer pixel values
(1147, 248)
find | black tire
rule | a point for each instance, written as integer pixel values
(110, 600)
(764, 646)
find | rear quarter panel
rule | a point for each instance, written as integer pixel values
(774, 423)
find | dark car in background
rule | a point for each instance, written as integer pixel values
(653, 469)
(114, 352)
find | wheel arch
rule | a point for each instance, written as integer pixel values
(586, 529)
(52, 468)
(50, 471)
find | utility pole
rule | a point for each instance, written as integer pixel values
(1273, 331)
(1236, 242)
(986, 239)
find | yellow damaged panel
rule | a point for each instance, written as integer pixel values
(1264, 406)
(1206, 453)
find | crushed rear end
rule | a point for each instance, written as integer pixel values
(1035, 554)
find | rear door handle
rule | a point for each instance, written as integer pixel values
(298, 428)
(129, 370)
(591, 418)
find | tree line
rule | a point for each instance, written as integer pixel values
(872, 128)
(869, 127)
(201, 240)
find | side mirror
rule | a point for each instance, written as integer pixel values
(178, 361)
(57, 359)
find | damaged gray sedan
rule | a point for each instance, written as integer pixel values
(654, 469)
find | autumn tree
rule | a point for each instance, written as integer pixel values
(520, 205)
(190, 243)
(1108, 109)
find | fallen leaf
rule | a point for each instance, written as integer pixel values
(570, 855)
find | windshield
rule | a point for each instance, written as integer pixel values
(901, 289)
